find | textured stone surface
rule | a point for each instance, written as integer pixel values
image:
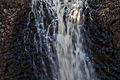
(19, 58)
(10, 10)
(102, 32)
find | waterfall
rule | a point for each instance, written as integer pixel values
(44, 61)
(71, 56)
(59, 24)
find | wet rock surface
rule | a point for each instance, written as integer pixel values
(102, 32)
(19, 58)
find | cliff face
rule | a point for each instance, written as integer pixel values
(103, 37)
(10, 10)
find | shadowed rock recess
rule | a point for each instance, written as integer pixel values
(101, 38)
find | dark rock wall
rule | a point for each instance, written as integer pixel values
(102, 34)
(19, 58)
(10, 10)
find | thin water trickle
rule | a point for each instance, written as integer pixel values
(68, 17)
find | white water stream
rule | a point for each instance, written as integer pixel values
(71, 56)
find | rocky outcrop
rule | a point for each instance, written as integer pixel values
(102, 34)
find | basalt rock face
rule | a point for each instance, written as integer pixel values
(10, 11)
(102, 37)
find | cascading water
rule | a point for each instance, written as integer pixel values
(44, 65)
(71, 57)
(64, 43)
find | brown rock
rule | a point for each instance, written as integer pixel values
(1, 30)
(0, 23)
(10, 9)
(5, 11)
(103, 33)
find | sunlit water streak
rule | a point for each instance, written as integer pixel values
(68, 17)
